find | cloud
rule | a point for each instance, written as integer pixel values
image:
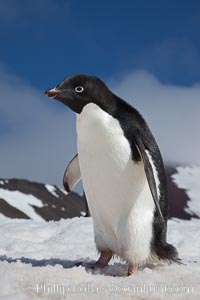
(38, 135)
(41, 138)
(171, 111)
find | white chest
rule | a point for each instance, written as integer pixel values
(111, 179)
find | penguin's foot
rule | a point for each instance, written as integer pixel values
(103, 260)
(132, 269)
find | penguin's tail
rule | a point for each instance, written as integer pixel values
(167, 253)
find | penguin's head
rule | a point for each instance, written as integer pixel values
(80, 90)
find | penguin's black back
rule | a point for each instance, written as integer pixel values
(134, 125)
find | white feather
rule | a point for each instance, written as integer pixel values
(117, 191)
(155, 173)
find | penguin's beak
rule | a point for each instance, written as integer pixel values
(52, 93)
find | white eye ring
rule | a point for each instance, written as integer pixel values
(79, 89)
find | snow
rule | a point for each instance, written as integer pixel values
(2, 182)
(62, 190)
(40, 259)
(51, 189)
(22, 202)
(83, 213)
(188, 178)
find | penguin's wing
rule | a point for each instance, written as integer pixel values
(72, 174)
(150, 172)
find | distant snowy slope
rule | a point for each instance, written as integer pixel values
(188, 178)
(38, 258)
(25, 199)
(22, 202)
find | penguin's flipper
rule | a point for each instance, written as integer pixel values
(72, 174)
(148, 167)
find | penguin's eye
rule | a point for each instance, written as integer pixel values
(79, 89)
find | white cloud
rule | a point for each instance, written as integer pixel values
(41, 138)
(171, 111)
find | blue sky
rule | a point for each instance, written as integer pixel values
(44, 41)
(152, 45)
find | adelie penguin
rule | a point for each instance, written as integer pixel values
(122, 172)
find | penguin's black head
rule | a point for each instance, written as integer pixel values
(80, 90)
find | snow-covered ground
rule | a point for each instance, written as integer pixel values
(41, 260)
